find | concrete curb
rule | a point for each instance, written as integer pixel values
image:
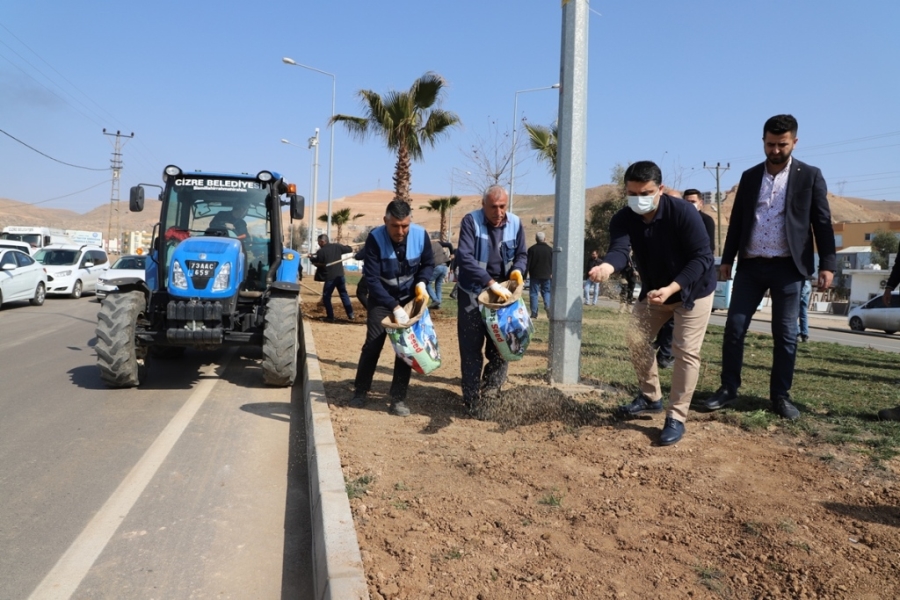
(337, 564)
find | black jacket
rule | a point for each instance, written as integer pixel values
(806, 216)
(330, 253)
(540, 261)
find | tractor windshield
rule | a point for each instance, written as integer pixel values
(215, 205)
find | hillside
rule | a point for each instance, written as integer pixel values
(371, 204)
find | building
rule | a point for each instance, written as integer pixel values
(860, 234)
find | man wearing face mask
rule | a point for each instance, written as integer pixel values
(664, 357)
(491, 250)
(672, 251)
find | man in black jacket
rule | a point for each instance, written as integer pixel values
(664, 357)
(328, 261)
(539, 271)
(891, 414)
(670, 246)
(779, 210)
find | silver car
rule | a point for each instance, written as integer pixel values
(130, 265)
(21, 278)
(875, 315)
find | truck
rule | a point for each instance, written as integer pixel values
(35, 237)
(217, 274)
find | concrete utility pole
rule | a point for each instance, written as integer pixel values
(116, 166)
(568, 251)
(719, 169)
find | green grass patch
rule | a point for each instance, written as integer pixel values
(357, 487)
(838, 389)
(552, 499)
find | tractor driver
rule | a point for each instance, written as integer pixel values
(233, 220)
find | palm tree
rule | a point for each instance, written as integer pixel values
(543, 139)
(403, 120)
(339, 219)
(443, 206)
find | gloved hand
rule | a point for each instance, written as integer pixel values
(421, 291)
(517, 277)
(501, 291)
(400, 316)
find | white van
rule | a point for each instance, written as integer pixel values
(72, 269)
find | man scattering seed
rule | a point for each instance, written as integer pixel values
(671, 251)
(491, 250)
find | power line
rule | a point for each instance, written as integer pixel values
(48, 156)
(67, 195)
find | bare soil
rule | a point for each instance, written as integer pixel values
(552, 498)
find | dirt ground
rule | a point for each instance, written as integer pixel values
(548, 500)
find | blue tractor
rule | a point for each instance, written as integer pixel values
(218, 274)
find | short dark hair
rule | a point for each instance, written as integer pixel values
(692, 192)
(780, 124)
(397, 208)
(643, 171)
(322, 238)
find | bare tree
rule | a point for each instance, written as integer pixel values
(488, 158)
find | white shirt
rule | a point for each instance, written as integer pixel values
(768, 238)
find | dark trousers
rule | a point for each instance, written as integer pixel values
(341, 285)
(664, 341)
(753, 277)
(371, 350)
(536, 286)
(474, 345)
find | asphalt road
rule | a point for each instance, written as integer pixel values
(194, 485)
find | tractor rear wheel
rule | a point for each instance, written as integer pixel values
(281, 341)
(121, 361)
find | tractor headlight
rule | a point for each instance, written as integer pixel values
(221, 282)
(178, 278)
(264, 176)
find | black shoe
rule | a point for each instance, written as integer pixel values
(641, 404)
(434, 306)
(358, 400)
(328, 319)
(804, 338)
(671, 432)
(782, 407)
(665, 363)
(889, 414)
(350, 317)
(722, 398)
(399, 408)
(534, 316)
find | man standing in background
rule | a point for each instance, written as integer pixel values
(443, 252)
(328, 260)
(539, 272)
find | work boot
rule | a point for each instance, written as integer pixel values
(399, 408)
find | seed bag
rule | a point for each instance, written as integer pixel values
(416, 342)
(508, 323)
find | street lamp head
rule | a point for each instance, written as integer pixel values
(555, 86)
(284, 141)
(288, 61)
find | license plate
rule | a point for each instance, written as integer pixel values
(201, 268)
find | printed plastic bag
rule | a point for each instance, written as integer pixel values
(416, 342)
(508, 323)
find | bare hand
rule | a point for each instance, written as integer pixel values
(725, 272)
(824, 281)
(601, 273)
(659, 297)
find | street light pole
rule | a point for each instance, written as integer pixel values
(314, 146)
(293, 63)
(512, 162)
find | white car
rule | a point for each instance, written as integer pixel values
(875, 315)
(72, 269)
(130, 265)
(21, 278)
(14, 245)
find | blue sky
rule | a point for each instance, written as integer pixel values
(201, 84)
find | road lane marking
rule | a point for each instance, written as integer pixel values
(71, 569)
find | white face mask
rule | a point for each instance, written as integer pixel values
(641, 204)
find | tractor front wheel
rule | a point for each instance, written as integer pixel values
(121, 361)
(281, 340)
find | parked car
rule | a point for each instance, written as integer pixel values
(72, 269)
(21, 278)
(130, 265)
(875, 315)
(14, 245)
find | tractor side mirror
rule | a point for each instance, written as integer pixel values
(297, 206)
(136, 199)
